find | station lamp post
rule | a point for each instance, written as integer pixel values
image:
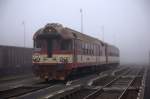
(103, 32)
(81, 12)
(24, 32)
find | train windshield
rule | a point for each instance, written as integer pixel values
(58, 45)
(39, 45)
(66, 45)
(50, 45)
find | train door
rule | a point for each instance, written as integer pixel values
(106, 53)
(49, 47)
(74, 50)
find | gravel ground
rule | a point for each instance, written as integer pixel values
(15, 77)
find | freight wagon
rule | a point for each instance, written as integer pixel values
(15, 60)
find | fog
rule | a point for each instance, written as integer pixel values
(126, 23)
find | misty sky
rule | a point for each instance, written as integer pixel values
(126, 22)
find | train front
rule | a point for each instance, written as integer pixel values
(53, 53)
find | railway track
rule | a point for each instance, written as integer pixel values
(34, 89)
(25, 89)
(115, 88)
(117, 85)
(120, 83)
(125, 86)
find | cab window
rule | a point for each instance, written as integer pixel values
(66, 44)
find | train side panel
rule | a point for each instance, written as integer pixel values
(89, 54)
(112, 54)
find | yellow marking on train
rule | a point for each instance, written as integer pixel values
(56, 58)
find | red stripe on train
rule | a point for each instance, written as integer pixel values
(56, 52)
(69, 65)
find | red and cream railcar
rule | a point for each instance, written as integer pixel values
(112, 54)
(58, 51)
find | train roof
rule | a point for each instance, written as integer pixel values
(65, 33)
(83, 37)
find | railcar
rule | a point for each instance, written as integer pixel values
(60, 51)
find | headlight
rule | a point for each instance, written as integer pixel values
(36, 58)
